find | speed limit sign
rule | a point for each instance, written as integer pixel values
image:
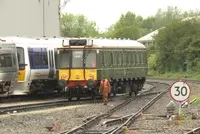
(180, 91)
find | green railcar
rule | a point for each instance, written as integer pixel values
(81, 63)
(124, 63)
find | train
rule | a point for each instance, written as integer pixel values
(74, 66)
(81, 62)
(8, 67)
(36, 74)
(35, 63)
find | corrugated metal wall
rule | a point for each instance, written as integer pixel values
(29, 17)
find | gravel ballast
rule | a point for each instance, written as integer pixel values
(66, 118)
(53, 120)
(152, 120)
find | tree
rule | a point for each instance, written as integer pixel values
(177, 46)
(77, 26)
(128, 26)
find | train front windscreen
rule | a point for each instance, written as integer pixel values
(8, 57)
(75, 59)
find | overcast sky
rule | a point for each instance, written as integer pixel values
(107, 12)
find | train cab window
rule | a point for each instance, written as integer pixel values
(77, 59)
(6, 60)
(38, 58)
(62, 58)
(20, 56)
(90, 58)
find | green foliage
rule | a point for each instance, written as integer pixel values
(128, 26)
(177, 47)
(152, 62)
(77, 26)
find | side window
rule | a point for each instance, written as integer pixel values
(129, 58)
(136, 58)
(110, 58)
(120, 58)
(124, 58)
(139, 58)
(142, 57)
(133, 57)
(102, 58)
(115, 56)
(38, 58)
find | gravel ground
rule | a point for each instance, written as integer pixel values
(149, 123)
(65, 118)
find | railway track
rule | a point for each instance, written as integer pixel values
(44, 105)
(104, 124)
(194, 131)
(31, 106)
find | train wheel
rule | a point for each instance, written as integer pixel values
(130, 93)
(77, 93)
(69, 95)
(93, 95)
(136, 92)
(114, 89)
(135, 89)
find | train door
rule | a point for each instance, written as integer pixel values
(21, 61)
(51, 63)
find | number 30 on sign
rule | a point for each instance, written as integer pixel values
(180, 91)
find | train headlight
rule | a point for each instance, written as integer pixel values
(62, 83)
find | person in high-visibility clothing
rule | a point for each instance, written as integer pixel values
(104, 89)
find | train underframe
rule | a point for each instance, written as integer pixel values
(91, 88)
(44, 86)
(5, 88)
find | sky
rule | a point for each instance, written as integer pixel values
(107, 12)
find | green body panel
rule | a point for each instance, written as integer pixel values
(118, 63)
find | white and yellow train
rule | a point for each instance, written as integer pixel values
(36, 65)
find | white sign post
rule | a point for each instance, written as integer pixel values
(180, 92)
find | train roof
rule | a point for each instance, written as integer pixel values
(61, 42)
(117, 43)
(35, 41)
(107, 43)
(4, 40)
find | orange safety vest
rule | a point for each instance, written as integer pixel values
(104, 86)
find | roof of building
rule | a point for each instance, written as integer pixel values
(150, 36)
